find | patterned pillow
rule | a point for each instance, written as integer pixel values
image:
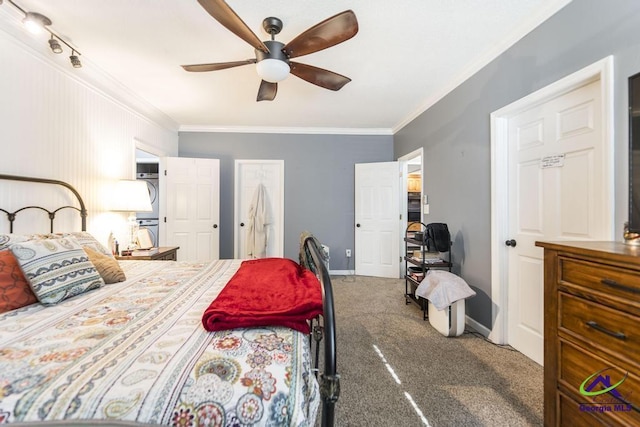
(7, 240)
(85, 239)
(56, 269)
(107, 266)
(14, 288)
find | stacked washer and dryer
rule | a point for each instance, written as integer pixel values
(148, 172)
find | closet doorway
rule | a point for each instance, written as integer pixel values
(147, 166)
(146, 169)
(260, 181)
(411, 195)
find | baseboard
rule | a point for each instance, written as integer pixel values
(478, 326)
(342, 272)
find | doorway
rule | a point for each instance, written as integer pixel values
(147, 165)
(411, 196)
(377, 210)
(552, 179)
(190, 210)
(259, 182)
(388, 197)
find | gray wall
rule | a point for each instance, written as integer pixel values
(455, 133)
(318, 181)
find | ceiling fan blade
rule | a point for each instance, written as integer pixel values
(217, 66)
(325, 34)
(222, 13)
(319, 76)
(267, 91)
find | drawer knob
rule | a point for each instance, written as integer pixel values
(510, 242)
(597, 327)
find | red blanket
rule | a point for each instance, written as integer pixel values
(266, 292)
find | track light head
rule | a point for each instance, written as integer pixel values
(55, 45)
(35, 22)
(75, 61)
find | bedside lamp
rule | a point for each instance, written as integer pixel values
(130, 195)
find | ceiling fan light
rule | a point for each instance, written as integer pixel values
(35, 22)
(273, 70)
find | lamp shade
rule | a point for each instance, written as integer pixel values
(130, 195)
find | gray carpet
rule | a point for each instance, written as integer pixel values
(461, 381)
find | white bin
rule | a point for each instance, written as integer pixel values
(450, 322)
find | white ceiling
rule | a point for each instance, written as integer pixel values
(405, 57)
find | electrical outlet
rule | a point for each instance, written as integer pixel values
(348, 252)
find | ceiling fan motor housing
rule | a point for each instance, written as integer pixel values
(275, 52)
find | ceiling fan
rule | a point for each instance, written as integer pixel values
(273, 58)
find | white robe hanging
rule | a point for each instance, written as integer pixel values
(258, 222)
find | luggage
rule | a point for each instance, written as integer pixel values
(437, 237)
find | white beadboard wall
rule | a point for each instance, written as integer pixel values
(53, 124)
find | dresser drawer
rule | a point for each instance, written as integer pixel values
(610, 330)
(613, 281)
(576, 365)
(570, 414)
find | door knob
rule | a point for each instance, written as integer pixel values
(510, 242)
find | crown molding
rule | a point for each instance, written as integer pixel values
(287, 130)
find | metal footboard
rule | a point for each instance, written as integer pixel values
(324, 330)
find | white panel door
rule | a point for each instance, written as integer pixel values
(555, 193)
(377, 215)
(192, 206)
(249, 174)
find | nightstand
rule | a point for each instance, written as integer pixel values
(163, 254)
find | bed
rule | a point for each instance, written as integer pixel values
(138, 352)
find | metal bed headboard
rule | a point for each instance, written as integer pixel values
(11, 216)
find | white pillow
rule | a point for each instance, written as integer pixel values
(56, 269)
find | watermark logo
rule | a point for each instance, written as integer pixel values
(604, 381)
(605, 394)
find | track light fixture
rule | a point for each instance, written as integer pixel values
(75, 61)
(55, 45)
(36, 22)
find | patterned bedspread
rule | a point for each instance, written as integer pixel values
(136, 351)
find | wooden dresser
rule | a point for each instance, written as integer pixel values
(591, 334)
